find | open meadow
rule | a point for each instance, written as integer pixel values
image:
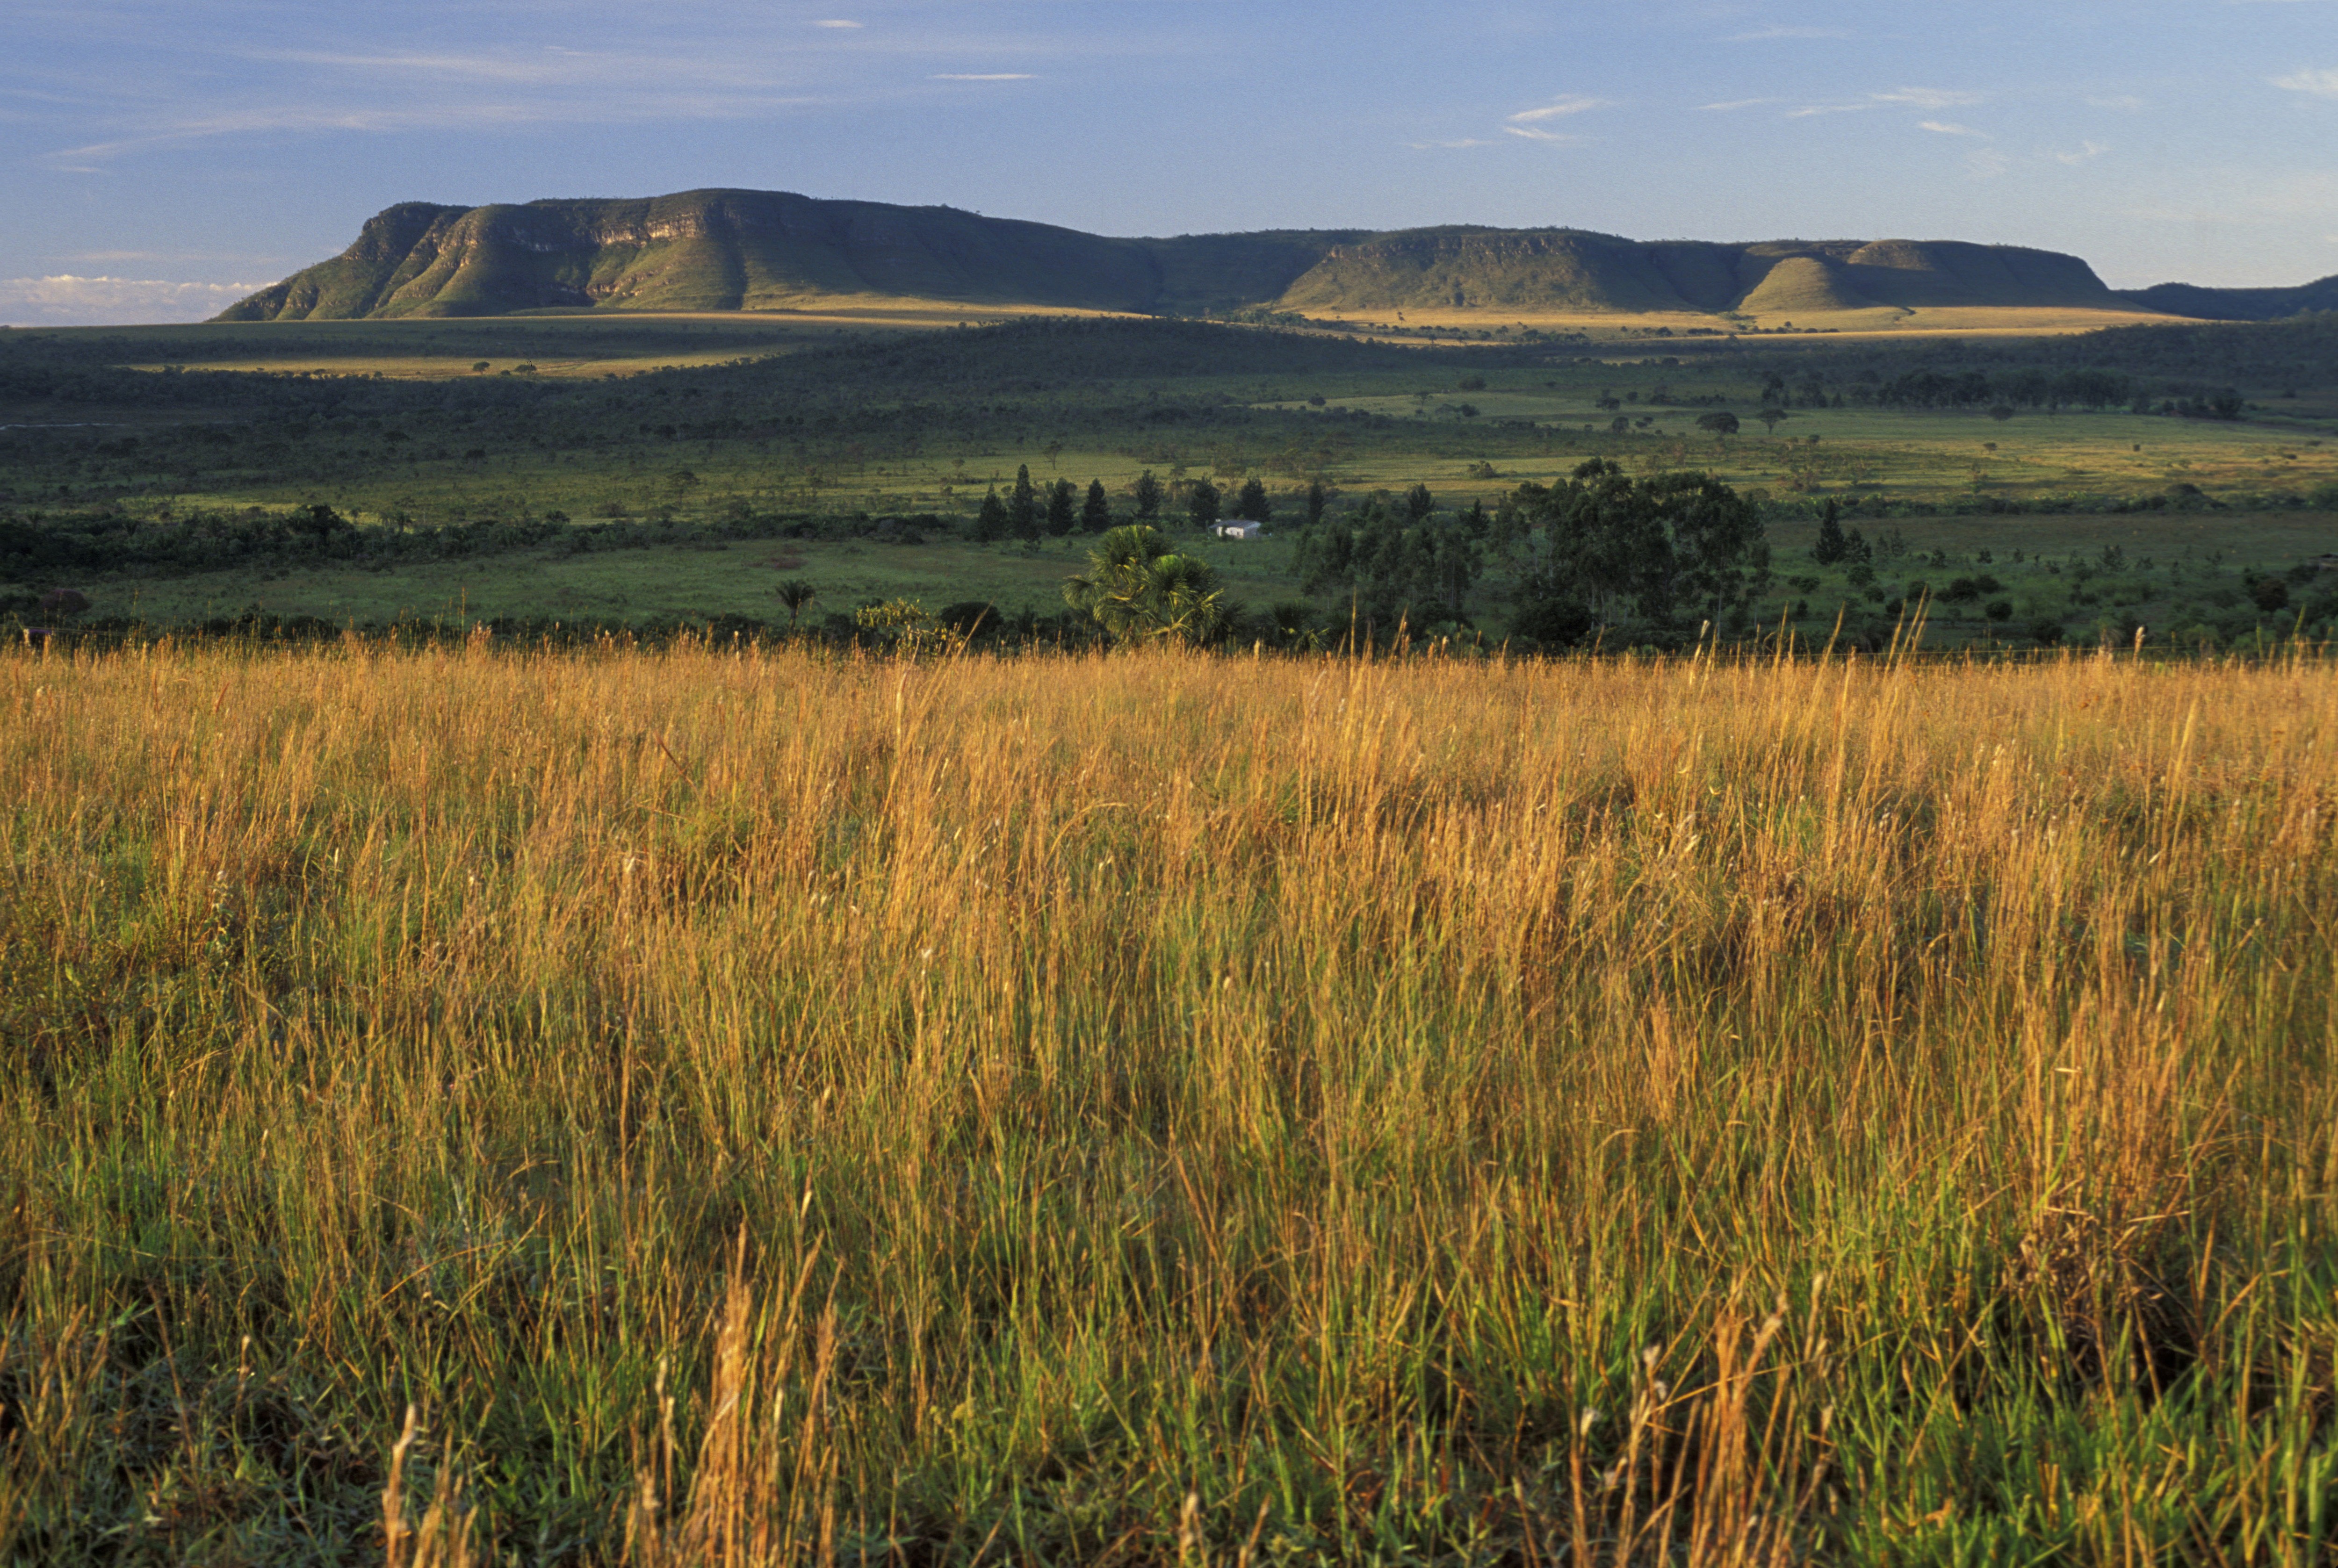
(753, 1105)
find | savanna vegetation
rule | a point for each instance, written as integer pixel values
(732, 1104)
(660, 942)
(649, 472)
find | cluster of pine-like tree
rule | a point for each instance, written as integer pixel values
(1033, 512)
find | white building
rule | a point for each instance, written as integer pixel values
(1240, 528)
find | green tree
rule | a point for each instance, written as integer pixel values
(1023, 507)
(1062, 507)
(1418, 502)
(1719, 424)
(1139, 589)
(1398, 567)
(1201, 504)
(1096, 514)
(795, 593)
(1252, 502)
(1611, 546)
(1147, 493)
(1832, 546)
(1317, 499)
(991, 524)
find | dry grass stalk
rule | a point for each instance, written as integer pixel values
(1302, 1087)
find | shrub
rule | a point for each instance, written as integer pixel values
(64, 603)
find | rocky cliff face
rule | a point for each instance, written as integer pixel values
(703, 251)
(750, 250)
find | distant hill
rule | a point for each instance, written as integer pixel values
(1569, 269)
(2238, 304)
(755, 249)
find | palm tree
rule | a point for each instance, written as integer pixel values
(1139, 589)
(795, 593)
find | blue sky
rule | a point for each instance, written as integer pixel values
(159, 157)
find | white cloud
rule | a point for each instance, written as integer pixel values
(834, 22)
(573, 66)
(1949, 128)
(2320, 84)
(609, 108)
(1537, 133)
(1563, 107)
(1464, 141)
(1735, 105)
(2088, 151)
(1812, 110)
(1766, 33)
(981, 77)
(1927, 98)
(65, 300)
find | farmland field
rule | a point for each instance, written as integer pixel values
(748, 1105)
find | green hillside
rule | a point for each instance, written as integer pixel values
(721, 250)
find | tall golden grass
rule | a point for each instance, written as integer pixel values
(759, 1107)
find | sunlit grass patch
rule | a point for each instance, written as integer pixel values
(779, 1105)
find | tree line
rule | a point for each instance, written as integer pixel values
(1602, 552)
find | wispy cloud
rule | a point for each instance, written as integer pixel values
(1927, 98)
(66, 300)
(1464, 141)
(1559, 110)
(1949, 128)
(1987, 162)
(2320, 84)
(493, 93)
(2088, 153)
(980, 77)
(1900, 97)
(1767, 34)
(1734, 105)
(1533, 124)
(837, 22)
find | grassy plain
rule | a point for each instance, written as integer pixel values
(767, 1106)
(691, 423)
(1882, 321)
(674, 583)
(556, 344)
